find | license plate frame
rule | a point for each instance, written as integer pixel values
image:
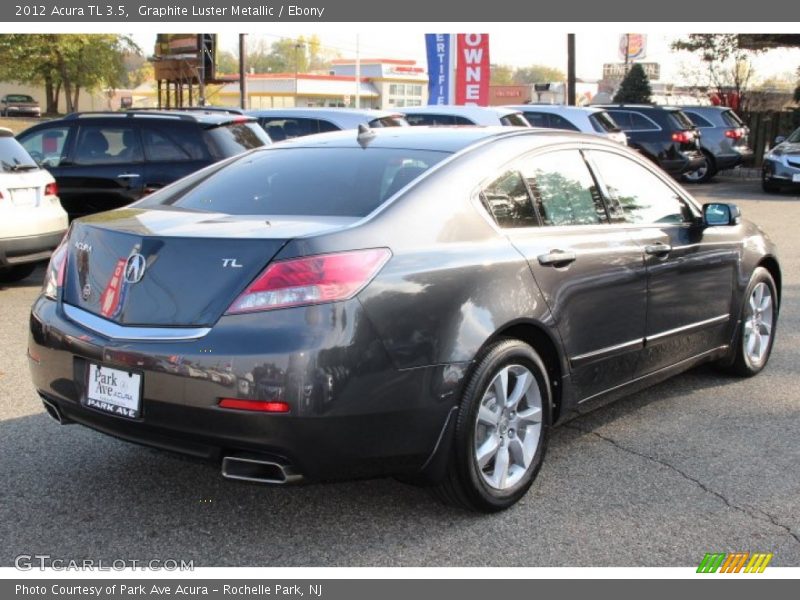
(113, 391)
(23, 197)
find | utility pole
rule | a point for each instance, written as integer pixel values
(571, 69)
(358, 73)
(242, 72)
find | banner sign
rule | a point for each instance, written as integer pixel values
(439, 70)
(472, 69)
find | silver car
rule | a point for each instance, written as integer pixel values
(444, 114)
(782, 164)
(586, 119)
(287, 123)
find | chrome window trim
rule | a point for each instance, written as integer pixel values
(114, 331)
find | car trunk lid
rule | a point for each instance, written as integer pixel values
(172, 268)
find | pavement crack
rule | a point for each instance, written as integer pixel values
(753, 513)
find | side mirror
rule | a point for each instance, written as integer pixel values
(720, 213)
(779, 140)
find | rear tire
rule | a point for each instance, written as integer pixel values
(769, 186)
(703, 174)
(501, 431)
(16, 273)
(756, 333)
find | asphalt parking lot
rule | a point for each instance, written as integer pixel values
(701, 463)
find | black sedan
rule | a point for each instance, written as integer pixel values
(425, 303)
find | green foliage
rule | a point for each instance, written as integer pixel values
(635, 87)
(288, 55)
(71, 62)
(727, 65)
(538, 74)
(797, 89)
(501, 75)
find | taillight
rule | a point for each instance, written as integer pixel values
(734, 134)
(683, 137)
(51, 189)
(55, 270)
(272, 406)
(311, 280)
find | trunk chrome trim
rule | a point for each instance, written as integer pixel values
(111, 330)
(690, 326)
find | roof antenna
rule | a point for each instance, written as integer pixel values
(365, 135)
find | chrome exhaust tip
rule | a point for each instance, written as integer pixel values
(258, 470)
(52, 409)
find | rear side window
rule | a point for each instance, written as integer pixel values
(559, 122)
(514, 120)
(732, 119)
(603, 122)
(235, 138)
(174, 144)
(14, 156)
(636, 194)
(698, 120)
(508, 201)
(343, 182)
(537, 119)
(391, 121)
(563, 188)
(679, 117)
(639, 122)
(433, 120)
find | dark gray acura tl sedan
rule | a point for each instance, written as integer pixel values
(425, 303)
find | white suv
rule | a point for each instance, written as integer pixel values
(32, 222)
(586, 119)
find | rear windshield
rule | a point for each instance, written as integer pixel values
(795, 137)
(681, 120)
(434, 120)
(344, 182)
(19, 98)
(13, 156)
(603, 122)
(732, 119)
(235, 138)
(390, 121)
(514, 120)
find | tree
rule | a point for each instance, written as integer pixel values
(227, 62)
(501, 75)
(289, 55)
(728, 67)
(797, 89)
(68, 62)
(635, 87)
(538, 74)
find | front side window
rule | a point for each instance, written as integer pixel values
(508, 201)
(637, 194)
(563, 188)
(46, 146)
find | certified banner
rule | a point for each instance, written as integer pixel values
(440, 72)
(472, 69)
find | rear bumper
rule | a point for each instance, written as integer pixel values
(28, 249)
(352, 414)
(733, 159)
(683, 163)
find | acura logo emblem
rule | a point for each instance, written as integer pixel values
(134, 268)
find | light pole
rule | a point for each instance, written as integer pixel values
(297, 47)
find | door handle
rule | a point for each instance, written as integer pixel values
(127, 176)
(659, 249)
(556, 258)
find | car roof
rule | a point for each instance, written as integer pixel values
(706, 108)
(208, 118)
(437, 139)
(638, 106)
(348, 117)
(556, 108)
(476, 113)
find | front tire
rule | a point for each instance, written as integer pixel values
(756, 334)
(769, 186)
(501, 431)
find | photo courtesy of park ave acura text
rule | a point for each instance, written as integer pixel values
(294, 293)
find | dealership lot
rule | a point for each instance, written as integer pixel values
(701, 463)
